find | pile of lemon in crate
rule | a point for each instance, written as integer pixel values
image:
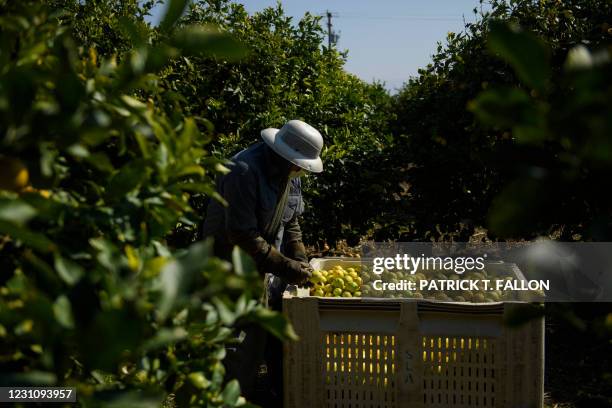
(336, 282)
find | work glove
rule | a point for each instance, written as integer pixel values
(269, 260)
(290, 270)
(296, 250)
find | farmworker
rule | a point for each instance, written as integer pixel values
(264, 200)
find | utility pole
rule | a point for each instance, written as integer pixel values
(329, 29)
(332, 37)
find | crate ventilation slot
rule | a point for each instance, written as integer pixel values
(458, 371)
(359, 370)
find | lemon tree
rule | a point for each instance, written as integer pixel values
(95, 177)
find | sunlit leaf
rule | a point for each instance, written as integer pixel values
(243, 263)
(68, 270)
(231, 393)
(62, 310)
(16, 211)
(275, 323)
(164, 337)
(199, 380)
(174, 11)
(208, 41)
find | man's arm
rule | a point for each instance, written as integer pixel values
(293, 245)
(239, 190)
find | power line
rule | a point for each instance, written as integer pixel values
(333, 37)
(361, 16)
(412, 18)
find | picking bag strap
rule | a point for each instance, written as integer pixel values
(275, 221)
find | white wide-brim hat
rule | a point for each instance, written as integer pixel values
(297, 142)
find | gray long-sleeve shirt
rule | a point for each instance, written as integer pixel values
(252, 190)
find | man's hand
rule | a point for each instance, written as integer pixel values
(290, 270)
(299, 273)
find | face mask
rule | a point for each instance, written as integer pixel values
(297, 173)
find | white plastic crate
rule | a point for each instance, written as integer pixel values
(383, 353)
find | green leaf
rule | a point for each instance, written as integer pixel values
(174, 11)
(243, 263)
(101, 162)
(231, 393)
(530, 134)
(134, 103)
(63, 312)
(225, 314)
(275, 323)
(128, 178)
(512, 107)
(189, 134)
(34, 240)
(199, 380)
(137, 36)
(69, 271)
(129, 399)
(164, 337)
(578, 58)
(503, 107)
(523, 51)
(16, 211)
(208, 41)
(104, 341)
(31, 378)
(176, 276)
(192, 169)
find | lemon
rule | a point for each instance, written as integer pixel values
(316, 277)
(337, 292)
(14, 175)
(338, 283)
